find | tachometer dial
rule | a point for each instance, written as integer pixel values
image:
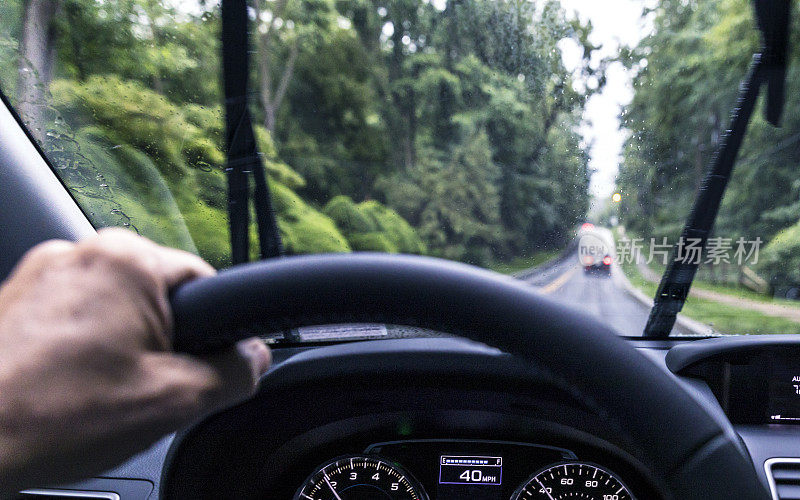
(573, 480)
(360, 478)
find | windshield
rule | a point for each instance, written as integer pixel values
(559, 142)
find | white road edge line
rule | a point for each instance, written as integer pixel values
(695, 327)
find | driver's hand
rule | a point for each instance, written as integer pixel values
(87, 377)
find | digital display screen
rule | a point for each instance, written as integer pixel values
(784, 396)
(477, 477)
(471, 470)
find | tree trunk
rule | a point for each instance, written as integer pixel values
(271, 100)
(405, 100)
(35, 68)
(269, 116)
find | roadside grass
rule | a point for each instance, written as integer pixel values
(722, 317)
(734, 290)
(745, 293)
(731, 289)
(522, 263)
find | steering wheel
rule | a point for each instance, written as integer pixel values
(692, 454)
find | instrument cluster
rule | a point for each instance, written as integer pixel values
(461, 470)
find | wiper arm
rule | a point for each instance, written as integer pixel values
(677, 278)
(243, 158)
(773, 21)
(768, 67)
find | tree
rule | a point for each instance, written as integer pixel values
(272, 92)
(689, 70)
(36, 62)
(282, 27)
(450, 126)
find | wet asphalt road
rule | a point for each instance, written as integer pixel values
(605, 297)
(609, 298)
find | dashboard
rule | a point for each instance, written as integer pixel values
(432, 419)
(461, 469)
(755, 382)
(449, 419)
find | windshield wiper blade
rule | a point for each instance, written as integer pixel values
(243, 158)
(768, 67)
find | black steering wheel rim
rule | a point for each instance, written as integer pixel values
(691, 452)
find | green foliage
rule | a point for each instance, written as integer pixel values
(163, 177)
(524, 263)
(780, 259)
(276, 169)
(397, 230)
(371, 226)
(330, 130)
(373, 242)
(403, 123)
(688, 79)
(456, 126)
(304, 229)
(349, 216)
(142, 40)
(454, 202)
(722, 317)
(11, 13)
(138, 116)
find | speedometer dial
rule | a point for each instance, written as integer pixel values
(360, 478)
(573, 480)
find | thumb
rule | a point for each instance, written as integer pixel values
(197, 386)
(238, 369)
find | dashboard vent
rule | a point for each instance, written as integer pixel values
(783, 475)
(66, 495)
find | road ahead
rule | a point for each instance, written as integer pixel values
(606, 297)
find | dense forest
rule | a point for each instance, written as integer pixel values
(439, 127)
(687, 78)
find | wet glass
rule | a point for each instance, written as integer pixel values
(561, 142)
